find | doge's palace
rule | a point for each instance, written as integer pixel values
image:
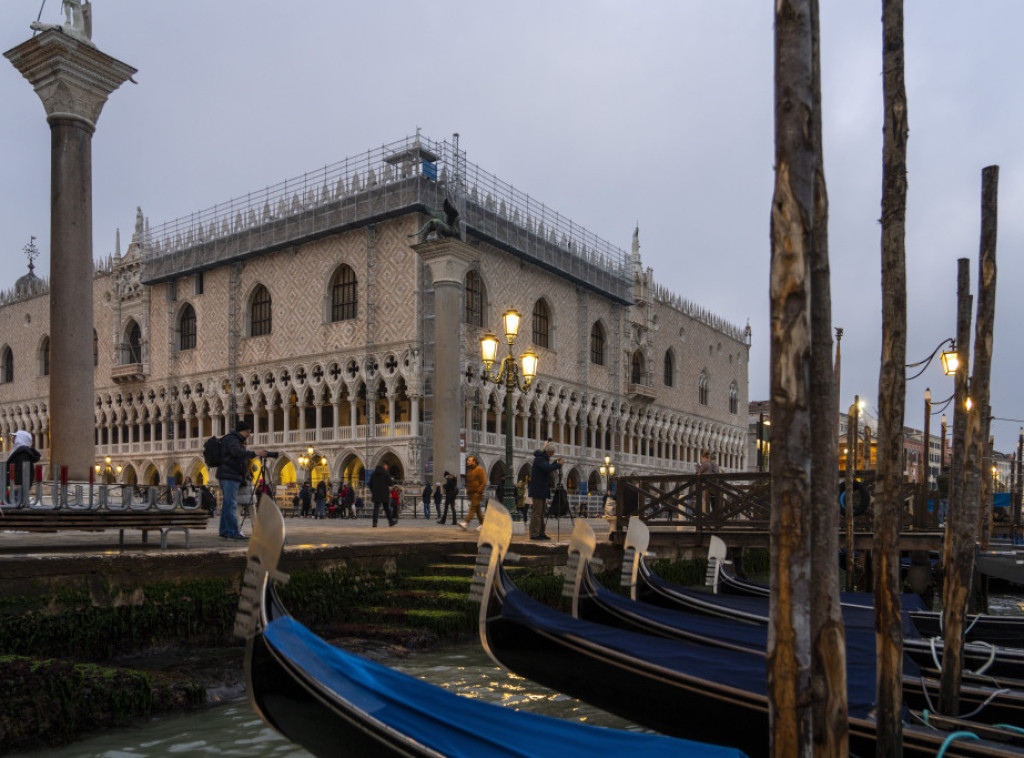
(308, 309)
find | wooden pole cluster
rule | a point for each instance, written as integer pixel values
(892, 383)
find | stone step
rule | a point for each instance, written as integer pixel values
(533, 558)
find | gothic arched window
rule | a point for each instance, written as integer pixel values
(260, 320)
(187, 328)
(541, 324)
(703, 388)
(344, 294)
(597, 344)
(475, 297)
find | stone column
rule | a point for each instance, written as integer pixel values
(448, 260)
(414, 415)
(73, 79)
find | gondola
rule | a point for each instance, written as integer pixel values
(1004, 663)
(336, 703)
(1005, 565)
(1006, 631)
(591, 601)
(672, 686)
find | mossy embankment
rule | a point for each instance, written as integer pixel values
(70, 664)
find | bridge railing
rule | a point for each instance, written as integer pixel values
(717, 503)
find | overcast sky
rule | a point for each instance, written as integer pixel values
(611, 113)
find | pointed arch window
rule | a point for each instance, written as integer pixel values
(670, 369)
(703, 388)
(597, 344)
(187, 328)
(475, 297)
(636, 368)
(132, 347)
(95, 348)
(344, 295)
(260, 319)
(6, 365)
(44, 357)
(734, 398)
(541, 324)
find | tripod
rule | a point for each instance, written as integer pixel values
(560, 506)
(259, 487)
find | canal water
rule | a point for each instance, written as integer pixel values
(234, 729)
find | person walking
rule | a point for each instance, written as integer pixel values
(380, 491)
(438, 497)
(321, 499)
(232, 471)
(476, 482)
(348, 501)
(20, 454)
(427, 492)
(540, 488)
(451, 489)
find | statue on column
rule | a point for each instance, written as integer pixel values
(440, 224)
(77, 21)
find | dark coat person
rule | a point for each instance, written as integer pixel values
(22, 453)
(380, 491)
(451, 490)
(540, 488)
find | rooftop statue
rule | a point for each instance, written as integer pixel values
(77, 21)
(440, 224)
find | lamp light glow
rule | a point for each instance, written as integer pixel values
(489, 349)
(511, 319)
(530, 361)
(950, 361)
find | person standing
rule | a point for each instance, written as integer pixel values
(521, 498)
(306, 498)
(707, 464)
(232, 471)
(438, 497)
(188, 493)
(22, 453)
(451, 489)
(427, 492)
(348, 501)
(476, 482)
(540, 488)
(380, 491)
(321, 499)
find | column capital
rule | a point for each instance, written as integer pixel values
(448, 258)
(72, 78)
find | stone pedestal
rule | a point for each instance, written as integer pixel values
(73, 79)
(449, 260)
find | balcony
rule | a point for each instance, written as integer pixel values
(128, 372)
(640, 391)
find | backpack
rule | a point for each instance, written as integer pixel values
(212, 455)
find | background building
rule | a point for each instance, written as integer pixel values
(304, 309)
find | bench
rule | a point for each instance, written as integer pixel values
(25, 520)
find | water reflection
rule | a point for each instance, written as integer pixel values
(234, 729)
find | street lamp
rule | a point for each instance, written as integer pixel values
(607, 471)
(509, 375)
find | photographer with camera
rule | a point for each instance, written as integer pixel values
(232, 471)
(540, 487)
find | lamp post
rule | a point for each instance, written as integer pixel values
(509, 375)
(607, 471)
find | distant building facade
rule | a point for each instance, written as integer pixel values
(305, 310)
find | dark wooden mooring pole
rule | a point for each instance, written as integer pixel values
(1019, 491)
(892, 384)
(961, 517)
(850, 493)
(792, 217)
(984, 329)
(829, 712)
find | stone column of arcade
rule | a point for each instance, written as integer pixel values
(73, 79)
(448, 259)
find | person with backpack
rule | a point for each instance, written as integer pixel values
(232, 470)
(380, 490)
(22, 453)
(306, 498)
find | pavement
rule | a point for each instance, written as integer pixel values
(307, 532)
